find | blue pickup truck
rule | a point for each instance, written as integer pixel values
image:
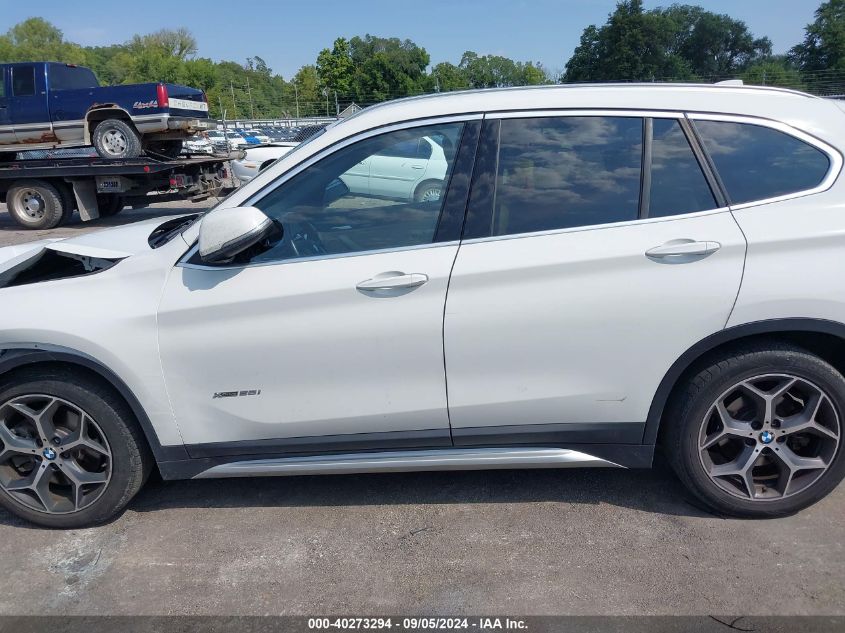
(45, 105)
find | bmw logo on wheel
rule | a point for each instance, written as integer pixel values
(767, 437)
(49, 453)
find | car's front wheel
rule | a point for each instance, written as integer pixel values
(71, 453)
(757, 433)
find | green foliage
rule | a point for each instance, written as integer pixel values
(821, 56)
(680, 42)
(493, 71)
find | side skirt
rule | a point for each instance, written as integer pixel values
(409, 461)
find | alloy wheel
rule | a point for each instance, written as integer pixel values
(114, 141)
(769, 437)
(54, 456)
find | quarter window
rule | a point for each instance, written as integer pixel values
(563, 172)
(23, 81)
(358, 199)
(757, 162)
(677, 183)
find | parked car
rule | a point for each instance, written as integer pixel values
(236, 141)
(197, 145)
(259, 135)
(218, 141)
(248, 137)
(45, 105)
(414, 169)
(255, 159)
(627, 266)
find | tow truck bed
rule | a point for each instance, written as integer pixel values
(43, 193)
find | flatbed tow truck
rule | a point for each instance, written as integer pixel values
(43, 193)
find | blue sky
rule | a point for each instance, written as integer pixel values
(290, 34)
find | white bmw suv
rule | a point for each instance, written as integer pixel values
(605, 270)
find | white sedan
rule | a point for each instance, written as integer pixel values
(257, 158)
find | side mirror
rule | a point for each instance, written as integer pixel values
(226, 232)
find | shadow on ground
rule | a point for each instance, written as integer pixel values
(646, 490)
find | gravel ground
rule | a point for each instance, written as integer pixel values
(586, 542)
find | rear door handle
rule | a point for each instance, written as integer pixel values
(393, 280)
(686, 250)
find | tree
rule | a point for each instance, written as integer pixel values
(712, 45)
(774, 71)
(386, 68)
(307, 84)
(680, 42)
(36, 39)
(447, 77)
(823, 48)
(335, 68)
(632, 45)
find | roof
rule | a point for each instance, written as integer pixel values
(796, 108)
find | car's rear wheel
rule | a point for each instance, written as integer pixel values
(758, 433)
(70, 452)
(429, 191)
(114, 138)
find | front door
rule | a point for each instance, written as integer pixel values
(583, 279)
(331, 339)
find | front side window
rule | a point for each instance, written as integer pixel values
(355, 201)
(757, 162)
(23, 81)
(563, 172)
(677, 183)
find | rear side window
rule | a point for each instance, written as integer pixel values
(23, 81)
(563, 172)
(64, 77)
(677, 183)
(757, 162)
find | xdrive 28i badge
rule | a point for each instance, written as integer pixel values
(236, 394)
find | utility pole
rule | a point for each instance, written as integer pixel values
(326, 93)
(249, 92)
(296, 92)
(336, 104)
(222, 112)
(234, 105)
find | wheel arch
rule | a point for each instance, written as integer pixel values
(15, 358)
(101, 112)
(823, 337)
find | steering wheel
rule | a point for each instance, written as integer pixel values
(303, 237)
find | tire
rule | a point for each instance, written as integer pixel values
(119, 476)
(428, 191)
(35, 204)
(116, 139)
(710, 458)
(109, 204)
(164, 149)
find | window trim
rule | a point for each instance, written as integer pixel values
(834, 156)
(267, 189)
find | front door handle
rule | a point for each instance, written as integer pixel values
(393, 280)
(683, 250)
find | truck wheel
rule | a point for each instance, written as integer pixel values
(109, 204)
(116, 139)
(166, 149)
(35, 204)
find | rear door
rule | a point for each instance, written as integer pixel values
(28, 104)
(585, 272)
